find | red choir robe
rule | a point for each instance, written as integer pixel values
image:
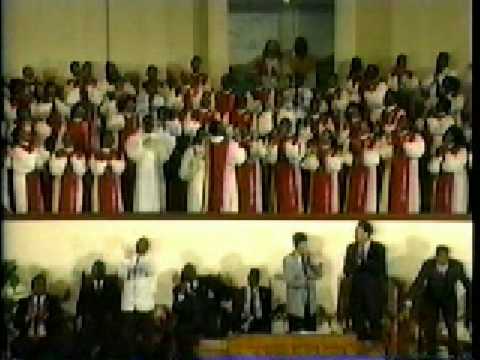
(223, 156)
(203, 116)
(287, 182)
(107, 166)
(224, 102)
(451, 187)
(250, 179)
(240, 119)
(38, 183)
(79, 132)
(404, 181)
(67, 169)
(131, 126)
(361, 186)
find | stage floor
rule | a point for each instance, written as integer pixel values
(332, 346)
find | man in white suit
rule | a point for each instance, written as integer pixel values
(138, 300)
(300, 275)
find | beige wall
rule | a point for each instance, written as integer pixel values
(65, 248)
(51, 33)
(419, 28)
(48, 34)
(422, 28)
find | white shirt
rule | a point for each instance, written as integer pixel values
(98, 284)
(363, 253)
(442, 269)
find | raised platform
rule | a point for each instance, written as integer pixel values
(289, 345)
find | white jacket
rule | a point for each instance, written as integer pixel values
(138, 284)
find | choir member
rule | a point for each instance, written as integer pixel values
(107, 166)
(23, 163)
(87, 77)
(374, 96)
(286, 152)
(354, 79)
(97, 313)
(152, 84)
(269, 67)
(365, 267)
(137, 301)
(38, 320)
(177, 188)
(303, 64)
(433, 85)
(301, 271)
(75, 71)
(78, 129)
(435, 288)
(450, 190)
(67, 168)
(250, 178)
(31, 82)
(192, 167)
(362, 179)
(222, 156)
(150, 150)
(39, 181)
(255, 305)
(324, 166)
(401, 177)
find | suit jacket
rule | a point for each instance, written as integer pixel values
(264, 323)
(300, 288)
(187, 309)
(370, 275)
(374, 266)
(423, 287)
(53, 323)
(96, 305)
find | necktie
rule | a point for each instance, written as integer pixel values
(36, 310)
(252, 302)
(304, 265)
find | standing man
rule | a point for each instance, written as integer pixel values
(38, 319)
(256, 305)
(435, 286)
(365, 267)
(138, 301)
(98, 307)
(300, 275)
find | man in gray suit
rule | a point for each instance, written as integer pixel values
(300, 275)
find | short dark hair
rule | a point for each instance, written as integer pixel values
(366, 226)
(73, 63)
(38, 277)
(143, 238)
(255, 273)
(442, 249)
(298, 238)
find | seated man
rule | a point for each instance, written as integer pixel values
(38, 319)
(98, 310)
(255, 307)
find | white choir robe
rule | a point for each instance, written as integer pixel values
(150, 187)
(192, 170)
(23, 162)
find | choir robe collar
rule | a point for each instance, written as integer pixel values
(217, 139)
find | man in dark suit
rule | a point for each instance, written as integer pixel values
(98, 311)
(366, 269)
(187, 309)
(38, 319)
(255, 307)
(435, 287)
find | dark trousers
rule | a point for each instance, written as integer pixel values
(366, 307)
(27, 348)
(430, 321)
(307, 323)
(137, 328)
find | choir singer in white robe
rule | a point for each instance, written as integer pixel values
(150, 150)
